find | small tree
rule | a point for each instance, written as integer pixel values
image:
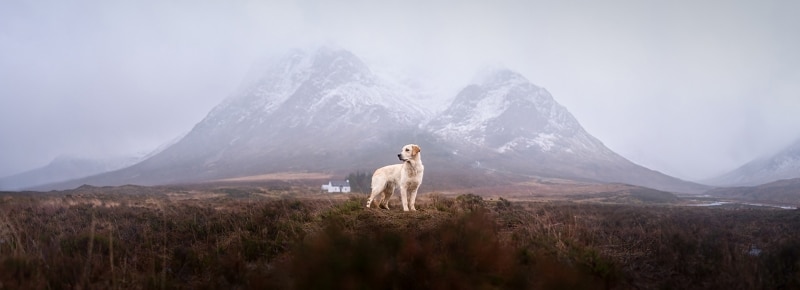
(359, 182)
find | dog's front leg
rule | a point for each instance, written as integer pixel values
(404, 196)
(413, 199)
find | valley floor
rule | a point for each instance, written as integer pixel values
(284, 236)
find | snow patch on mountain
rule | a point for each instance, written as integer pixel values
(544, 141)
(276, 89)
(489, 107)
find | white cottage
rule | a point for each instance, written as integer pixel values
(337, 186)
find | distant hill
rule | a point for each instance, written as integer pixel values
(783, 165)
(64, 168)
(785, 191)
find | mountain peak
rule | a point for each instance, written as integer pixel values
(499, 76)
(504, 110)
(302, 82)
(340, 63)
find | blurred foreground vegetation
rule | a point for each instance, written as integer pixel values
(244, 239)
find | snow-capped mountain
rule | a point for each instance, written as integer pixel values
(325, 110)
(506, 112)
(324, 88)
(783, 165)
(309, 110)
(506, 123)
(307, 105)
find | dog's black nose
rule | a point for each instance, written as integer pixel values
(400, 156)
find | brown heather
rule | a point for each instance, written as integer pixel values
(253, 238)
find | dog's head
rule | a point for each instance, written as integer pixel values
(410, 151)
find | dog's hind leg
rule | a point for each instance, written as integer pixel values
(376, 189)
(387, 193)
(379, 185)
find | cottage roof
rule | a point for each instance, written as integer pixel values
(340, 183)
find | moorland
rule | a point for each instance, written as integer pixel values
(289, 235)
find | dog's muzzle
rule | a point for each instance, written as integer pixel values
(400, 156)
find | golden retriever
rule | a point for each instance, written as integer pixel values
(407, 175)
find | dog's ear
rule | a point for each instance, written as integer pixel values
(415, 149)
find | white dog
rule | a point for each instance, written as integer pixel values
(407, 175)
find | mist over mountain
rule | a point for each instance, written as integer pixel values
(782, 165)
(325, 110)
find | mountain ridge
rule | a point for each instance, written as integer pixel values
(326, 111)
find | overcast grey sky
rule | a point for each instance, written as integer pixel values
(689, 88)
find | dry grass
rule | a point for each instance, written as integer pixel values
(284, 176)
(281, 237)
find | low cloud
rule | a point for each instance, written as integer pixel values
(690, 89)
